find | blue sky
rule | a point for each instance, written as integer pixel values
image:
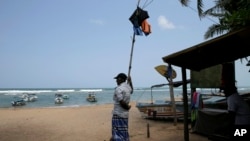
(80, 43)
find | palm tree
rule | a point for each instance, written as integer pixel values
(232, 15)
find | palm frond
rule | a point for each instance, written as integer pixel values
(200, 7)
(215, 29)
(184, 2)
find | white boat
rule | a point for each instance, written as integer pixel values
(91, 97)
(65, 96)
(29, 97)
(58, 98)
(18, 102)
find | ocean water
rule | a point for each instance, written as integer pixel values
(77, 96)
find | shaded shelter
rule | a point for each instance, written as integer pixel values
(222, 49)
(226, 48)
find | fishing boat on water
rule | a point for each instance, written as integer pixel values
(29, 97)
(65, 96)
(58, 98)
(91, 97)
(18, 102)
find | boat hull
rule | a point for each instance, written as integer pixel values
(58, 100)
(160, 109)
(29, 97)
(91, 99)
(18, 103)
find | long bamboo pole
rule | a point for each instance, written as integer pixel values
(132, 49)
(131, 55)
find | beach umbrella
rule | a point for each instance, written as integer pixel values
(166, 71)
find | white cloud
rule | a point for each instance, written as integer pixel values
(96, 21)
(164, 23)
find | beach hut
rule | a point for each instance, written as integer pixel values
(220, 50)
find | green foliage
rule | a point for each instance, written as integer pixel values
(232, 15)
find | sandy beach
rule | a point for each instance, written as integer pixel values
(91, 123)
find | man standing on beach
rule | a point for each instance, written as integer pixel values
(238, 109)
(121, 108)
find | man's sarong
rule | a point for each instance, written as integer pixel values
(120, 128)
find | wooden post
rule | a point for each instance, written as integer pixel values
(185, 103)
(148, 131)
(172, 99)
(171, 89)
